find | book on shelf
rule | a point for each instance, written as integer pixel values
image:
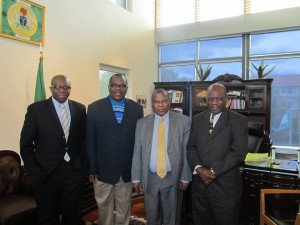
(170, 95)
(236, 100)
(201, 98)
(234, 93)
(177, 110)
(177, 96)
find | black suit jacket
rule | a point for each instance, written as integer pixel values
(223, 150)
(42, 143)
(109, 144)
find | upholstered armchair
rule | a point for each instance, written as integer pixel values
(17, 204)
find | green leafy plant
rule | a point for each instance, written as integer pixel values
(203, 75)
(261, 69)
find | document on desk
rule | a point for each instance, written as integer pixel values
(285, 164)
(258, 159)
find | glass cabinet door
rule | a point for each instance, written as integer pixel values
(256, 97)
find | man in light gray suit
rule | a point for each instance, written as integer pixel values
(162, 192)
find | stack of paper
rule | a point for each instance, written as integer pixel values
(258, 159)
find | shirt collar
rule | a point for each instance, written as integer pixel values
(113, 102)
(165, 117)
(56, 103)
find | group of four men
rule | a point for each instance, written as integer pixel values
(119, 149)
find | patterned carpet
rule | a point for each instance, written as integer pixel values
(133, 221)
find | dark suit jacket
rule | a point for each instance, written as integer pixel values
(109, 144)
(224, 150)
(42, 143)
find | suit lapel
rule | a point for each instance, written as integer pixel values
(111, 111)
(222, 121)
(53, 116)
(126, 111)
(73, 116)
(172, 125)
(150, 126)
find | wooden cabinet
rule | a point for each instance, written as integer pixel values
(181, 106)
(257, 178)
(251, 98)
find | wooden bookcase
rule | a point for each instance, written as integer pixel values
(184, 106)
(251, 98)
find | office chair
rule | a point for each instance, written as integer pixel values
(256, 137)
(281, 208)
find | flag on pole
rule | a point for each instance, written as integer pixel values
(40, 93)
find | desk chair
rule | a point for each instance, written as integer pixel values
(273, 217)
(256, 137)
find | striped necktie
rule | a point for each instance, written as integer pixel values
(64, 120)
(161, 151)
(211, 124)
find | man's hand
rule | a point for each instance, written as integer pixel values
(206, 175)
(183, 186)
(93, 178)
(137, 187)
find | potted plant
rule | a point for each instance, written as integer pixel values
(203, 75)
(261, 70)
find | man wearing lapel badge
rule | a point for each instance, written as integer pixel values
(216, 148)
(111, 124)
(159, 166)
(52, 146)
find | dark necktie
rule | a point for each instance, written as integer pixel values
(211, 124)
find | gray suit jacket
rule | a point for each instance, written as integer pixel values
(179, 130)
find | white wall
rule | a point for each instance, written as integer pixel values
(79, 36)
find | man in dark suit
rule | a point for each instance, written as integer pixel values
(216, 148)
(163, 192)
(111, 126)
(52, 147)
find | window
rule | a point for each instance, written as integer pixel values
(105, 73)
(221, 48)
(177, 73)
(122, 3)
(280, 49)
(168, 11)
(175, 12)
(207, 9)
(255, 6)
(178, 60)
(275, 43)
(178, 52)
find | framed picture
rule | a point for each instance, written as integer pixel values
(142, 100)
(22, 20)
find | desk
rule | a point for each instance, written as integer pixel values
(256, 178)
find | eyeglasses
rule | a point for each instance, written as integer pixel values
(58, 87)
(156, 102)
(218, 99)
(122, 86)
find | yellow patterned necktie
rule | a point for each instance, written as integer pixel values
(161, 151)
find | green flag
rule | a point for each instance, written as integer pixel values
(40, 93)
